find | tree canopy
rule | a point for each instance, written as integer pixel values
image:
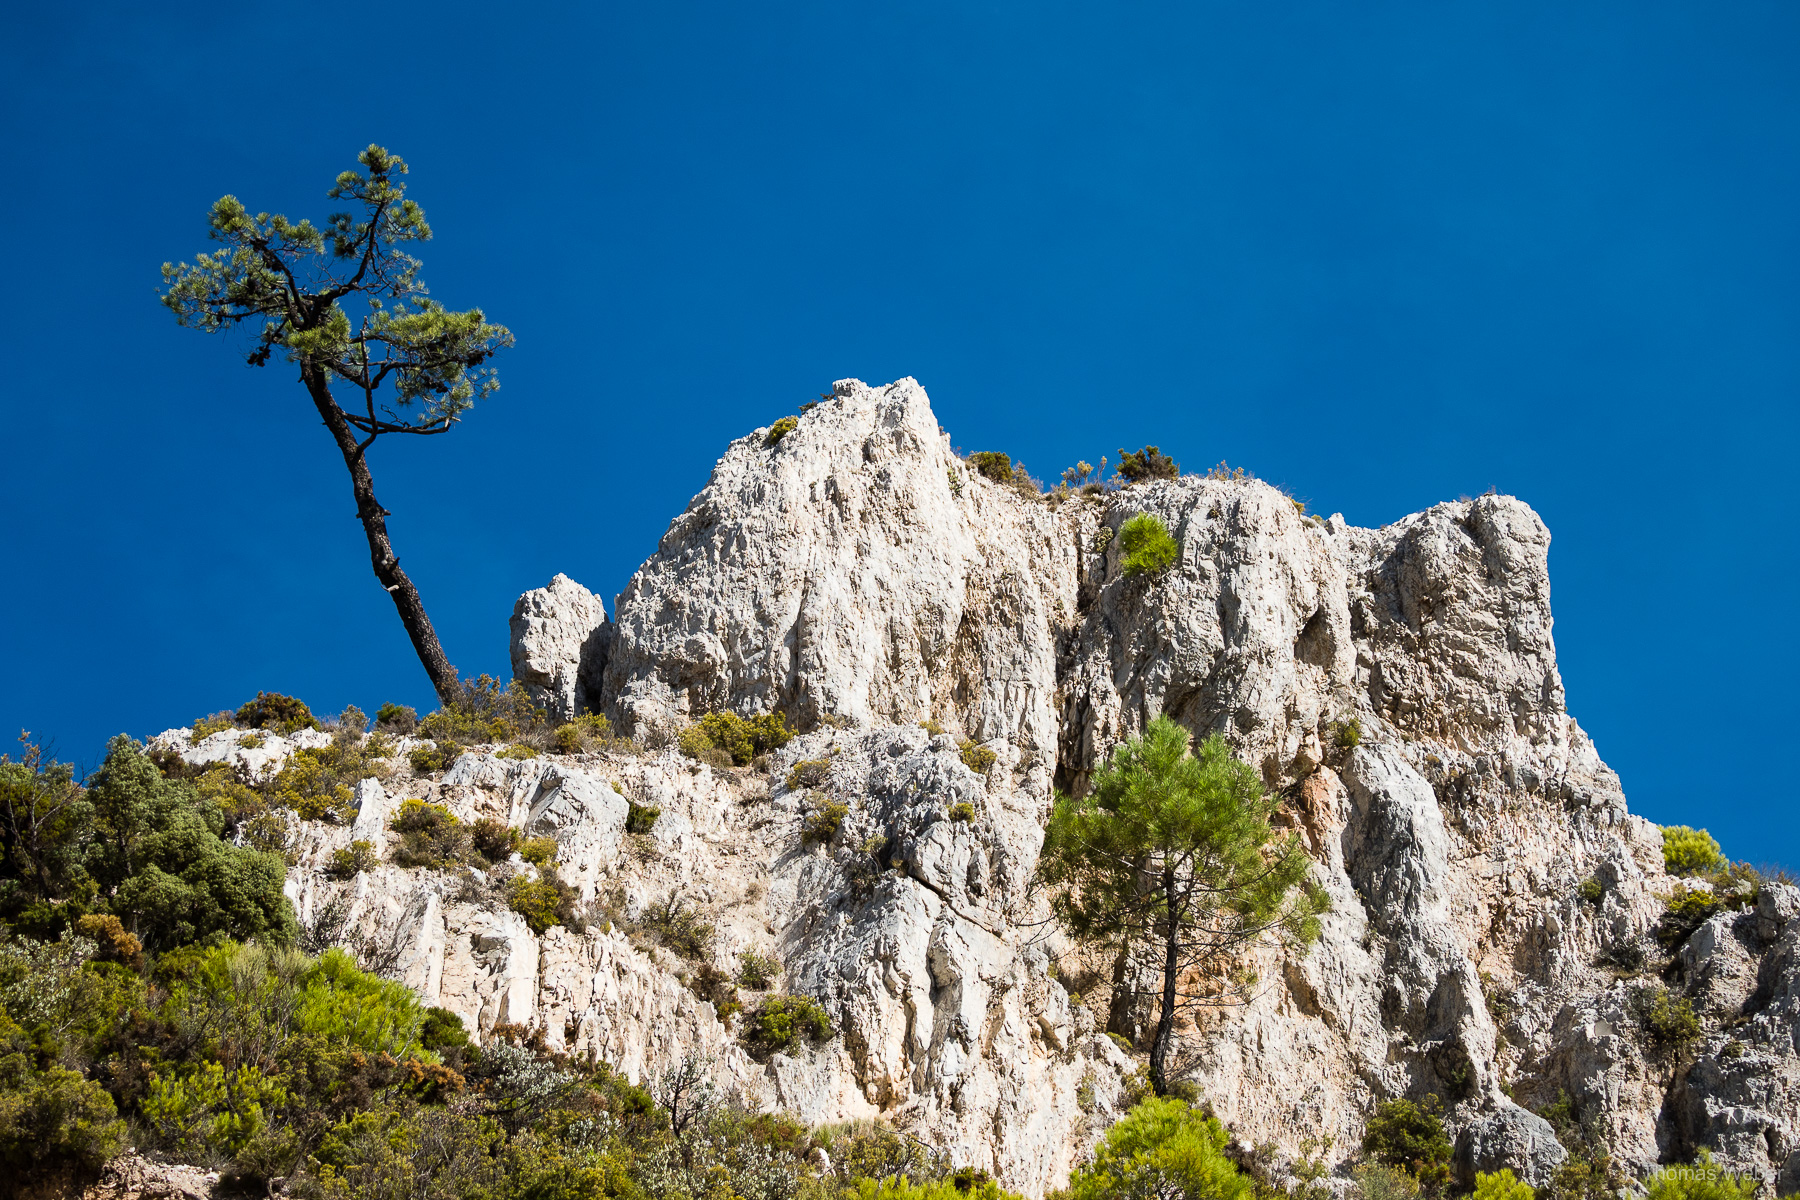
(133, 845)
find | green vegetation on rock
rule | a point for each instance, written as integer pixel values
(1146, 546)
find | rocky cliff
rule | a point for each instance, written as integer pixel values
(1490, 941)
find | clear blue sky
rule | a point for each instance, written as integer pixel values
(1384, 254)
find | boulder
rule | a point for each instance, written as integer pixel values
(559, 646)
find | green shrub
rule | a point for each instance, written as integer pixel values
(1704, 1180)
(1346, 734)
(965, 1183)
(781, 429)
(781, 1022)
(1501, 1185)
(1162, 1147)
(420, 816)
(1669, 1020)
(1591, 890)
(436, 757)
(338, 1001)
(272, 710)
(205, 727)
(962, 812)
(726, 739)
(640, 818)
(1686, 909)
(442, 1030)
(808, 773)
(586, 733)
(758, 971)
(1377, 1182)
(1690, 851)
(493, 839)
(316, 783)
(431, 836)
(539, 851)
(517, 750)
(543, 902)
(486, 710)
(397, 718)
(680, 926)
(822, 823)
(992, 464)
(931, 726)
(347, 861)
(1135, 466)
(53, 1124)
(976, 757)
(1146, 546)
(1410, 1136)
(696, 744)
(153, 846)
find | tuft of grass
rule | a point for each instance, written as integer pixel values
(962, 812)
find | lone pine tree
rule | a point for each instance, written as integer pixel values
(296, 280)
(1170, 861)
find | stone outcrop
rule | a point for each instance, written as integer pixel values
(559, 646)
(1398, 686)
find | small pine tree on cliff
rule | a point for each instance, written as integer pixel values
(1170, 859)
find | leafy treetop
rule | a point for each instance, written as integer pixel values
(294, 279)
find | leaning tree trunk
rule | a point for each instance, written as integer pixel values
(381, 549)
(1165, 1021)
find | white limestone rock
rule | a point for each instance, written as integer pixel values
(559, 646)
(856, 569)
(859, 578)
